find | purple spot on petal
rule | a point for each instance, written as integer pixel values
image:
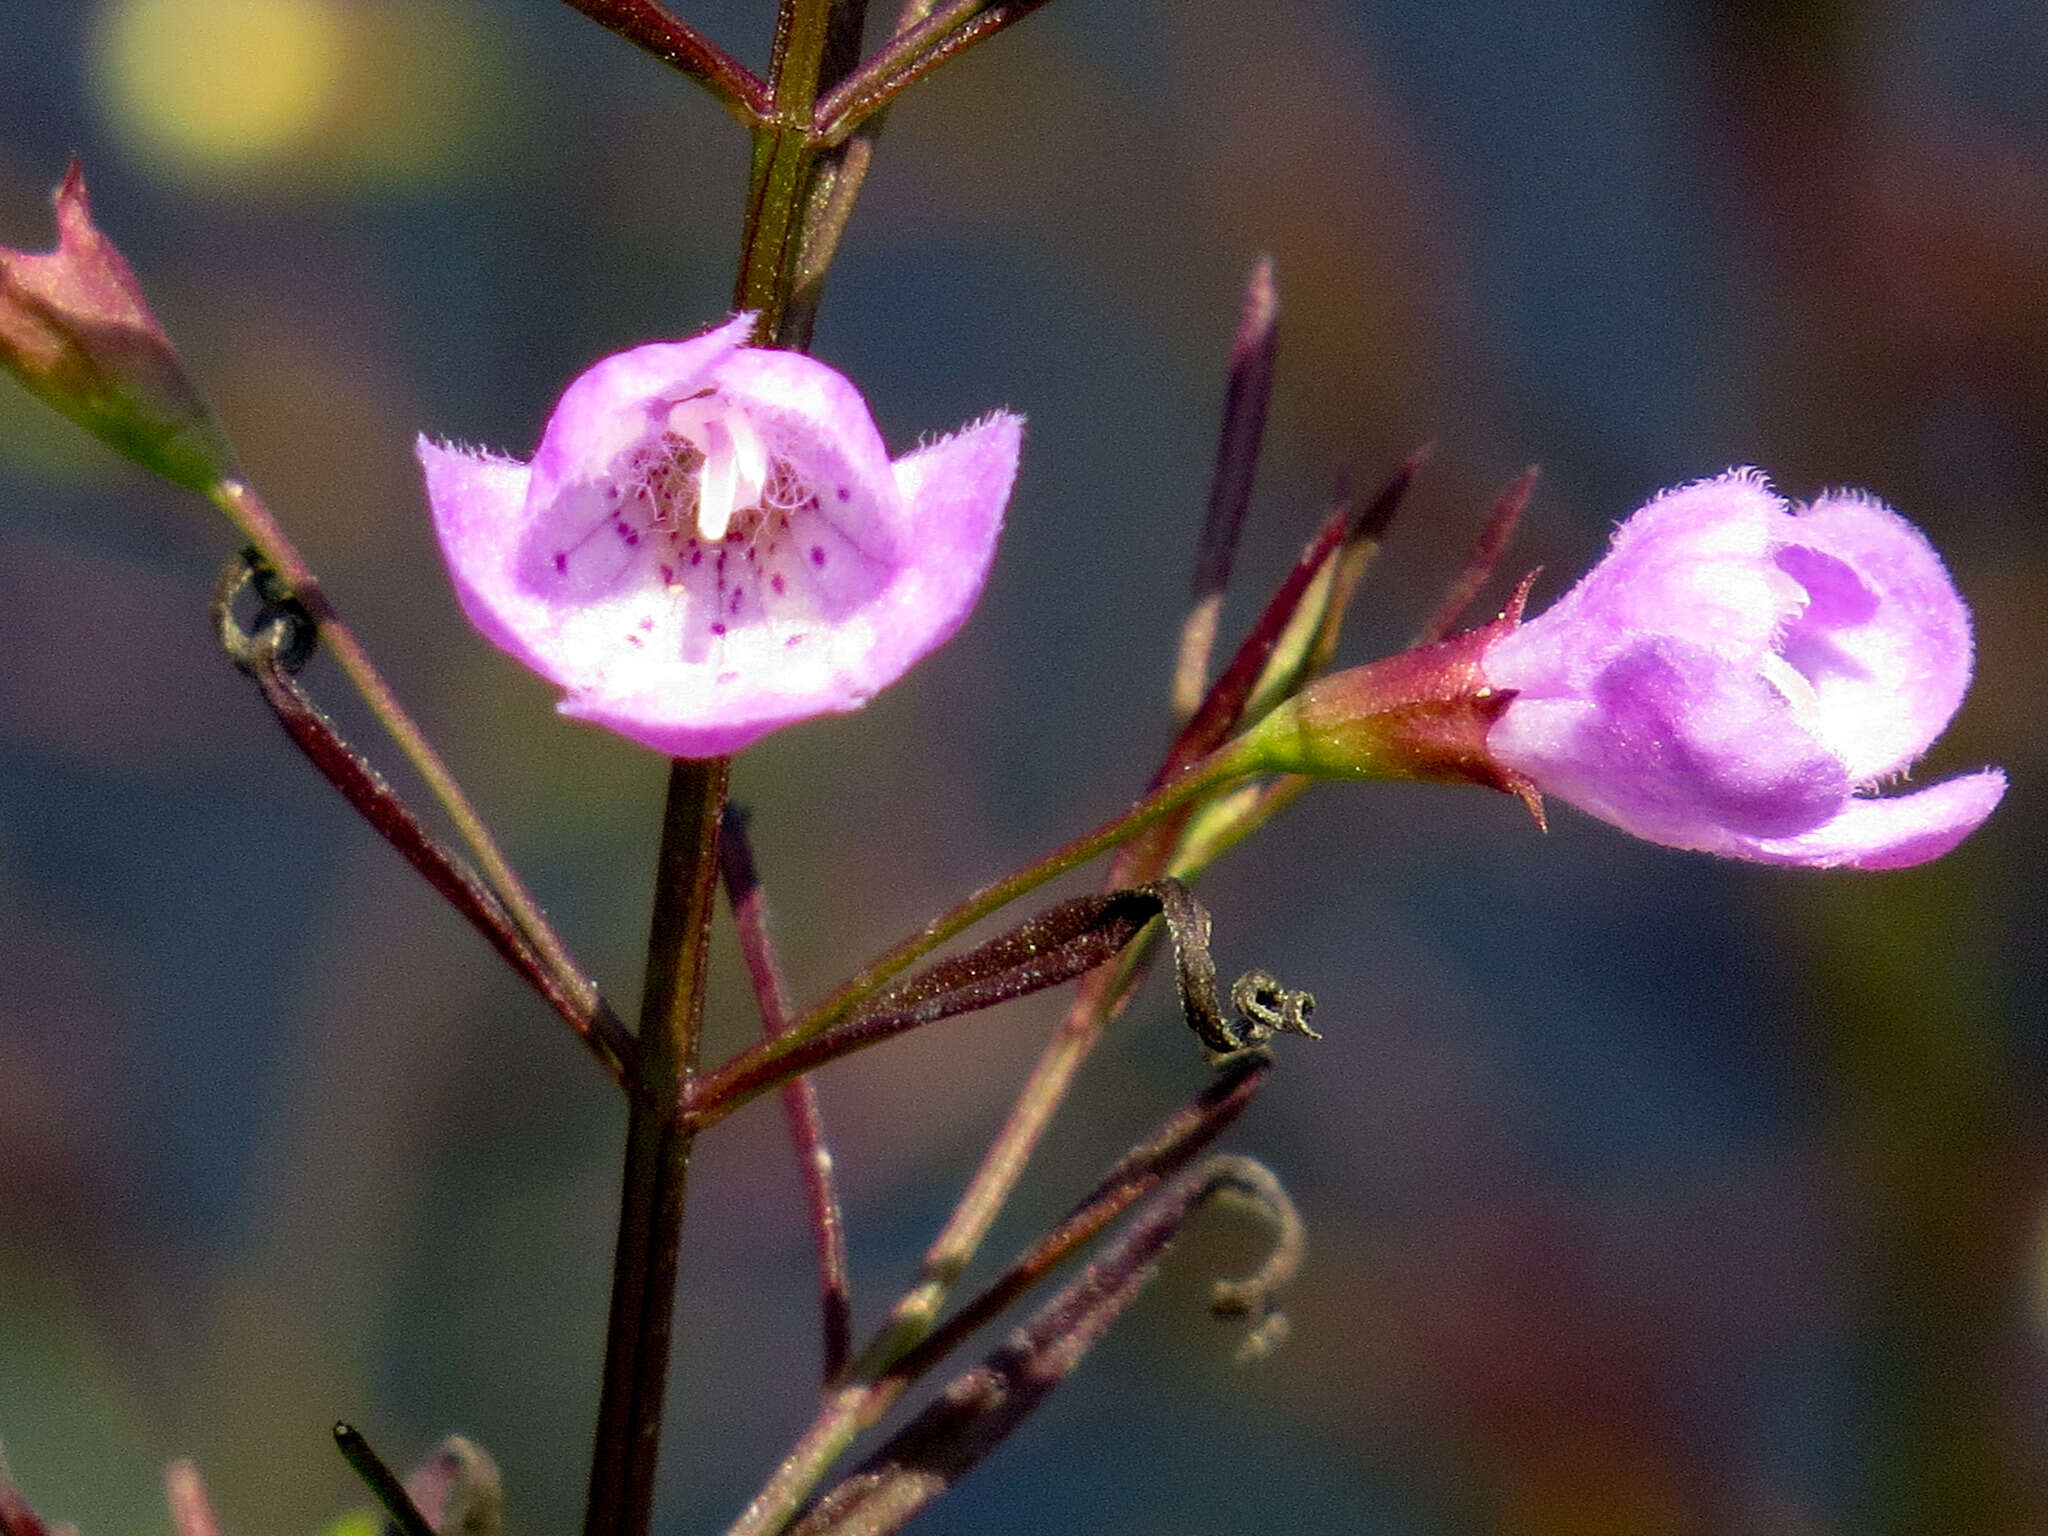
(696, 557)
(817, 554)
(778, 584)
(1837, 597)
(844, 493)
(794, 640)
(738, 596)
(561, 562)
(633, 640)
(647, 625)
(718, 629)
(668, 575)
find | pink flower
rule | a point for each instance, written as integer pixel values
(1738, 676)
(711, 542)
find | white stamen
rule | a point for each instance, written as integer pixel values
(717, 482)
(735, 467)
(1792, 683)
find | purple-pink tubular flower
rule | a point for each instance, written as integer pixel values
(711, 542)
(1739, 675)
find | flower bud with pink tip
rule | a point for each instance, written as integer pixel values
(76, 329)
(712, 542)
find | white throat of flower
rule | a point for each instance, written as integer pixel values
(735, 469)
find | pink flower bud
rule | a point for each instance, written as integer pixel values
(712, 542)
(75, 328)
(1738, 676)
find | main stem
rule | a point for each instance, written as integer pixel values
(637, 1335)
(658, 1139)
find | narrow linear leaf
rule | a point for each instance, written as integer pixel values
(270, 654)
(981, 1409)
(1486, 552)
(1223, 706)
(1245, 397)
(1053, 947)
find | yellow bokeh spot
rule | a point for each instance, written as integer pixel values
(301, 96)
(216, 85)
(357, 1522)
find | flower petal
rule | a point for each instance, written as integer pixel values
(1733, 672)
(611, 405)
(953, 492)
(712, 542)
(477, 501)
(1891, 832)
(1674, 744)
(1885, 638)
(815, 405)
(1699, 551)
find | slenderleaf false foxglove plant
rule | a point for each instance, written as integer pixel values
(711, 541)
(1736, 676)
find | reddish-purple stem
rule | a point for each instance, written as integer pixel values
(678, 44)
(910, 56)
(800, 1105)
(1185, 1135)
(364, 788)
(980, 1409)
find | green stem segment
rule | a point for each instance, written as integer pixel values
(785, 159)
(658, 1142)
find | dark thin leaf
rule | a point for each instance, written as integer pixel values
(1486, 552)
(982, 1408)
(382, 1482)
(1221, 708)
(1245, 397)
(676, 43)
(1055, 946)
(281, 642)
(1187, 1133)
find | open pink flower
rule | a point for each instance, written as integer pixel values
(711, 542)
(1738, 676)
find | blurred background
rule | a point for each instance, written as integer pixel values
(1645, 1193)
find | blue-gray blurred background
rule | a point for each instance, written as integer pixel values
(1646, 1193)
